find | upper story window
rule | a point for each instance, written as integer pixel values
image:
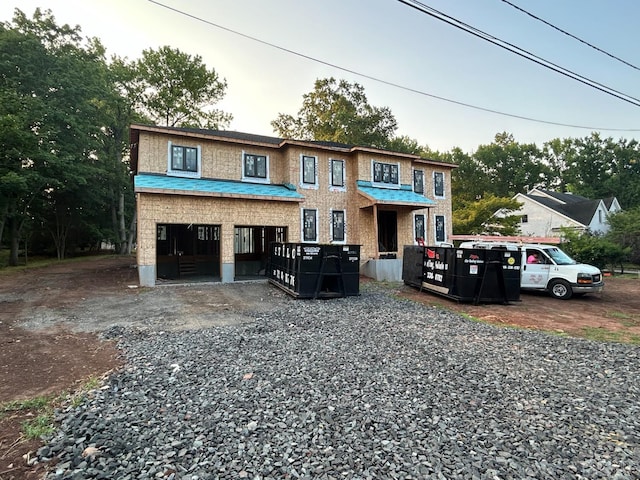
(337, 174)
(524, 219)
(418, 181)
(308, 171)
(438, 184)
(255, 168)
(184, 161)
(386, 174)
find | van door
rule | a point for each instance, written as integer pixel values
(535, 269)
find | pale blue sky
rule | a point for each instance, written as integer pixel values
(391, 41)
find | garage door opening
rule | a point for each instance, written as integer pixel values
(188, 251)
(251, 249)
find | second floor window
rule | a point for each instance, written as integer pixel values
(438, 184)
(418, 181)
(183, 161)
(255, 166)
(184, 158)
(337, 173)
(309, 171)
(386, 173)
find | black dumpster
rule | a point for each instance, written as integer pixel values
(315, 271)
(466, 275)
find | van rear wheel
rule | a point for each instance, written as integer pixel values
(560, 289)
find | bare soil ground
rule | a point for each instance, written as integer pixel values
(50, 317)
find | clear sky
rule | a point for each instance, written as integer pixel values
(390, 41)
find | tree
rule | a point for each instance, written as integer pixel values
(596, 250)
(51, 81)
(180, 91)
(512, 167)
(338, 111)
(478, 216)
(624, 230)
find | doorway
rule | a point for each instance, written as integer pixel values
(387, 233)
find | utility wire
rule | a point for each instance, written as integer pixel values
(432, 12)
(571, 35)
(385, 82)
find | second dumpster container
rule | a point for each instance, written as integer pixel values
(465, 275)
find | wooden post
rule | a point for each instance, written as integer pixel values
(375, 230)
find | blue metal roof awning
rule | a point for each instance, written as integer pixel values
(163, 184)
(403, 196)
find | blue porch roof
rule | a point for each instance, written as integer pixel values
(148, 183)
(403, 196)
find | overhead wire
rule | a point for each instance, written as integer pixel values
(432, 12)
(382, 81)
(615, 57)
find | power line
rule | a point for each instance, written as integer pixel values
(571, 35)
(432, 12)
(384, 82)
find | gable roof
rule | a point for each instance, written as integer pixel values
(576, 207)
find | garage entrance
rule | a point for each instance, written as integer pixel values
(188, 251)
(251, 249)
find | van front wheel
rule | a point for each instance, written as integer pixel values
(560, 289)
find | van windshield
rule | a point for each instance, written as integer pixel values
(559, 256)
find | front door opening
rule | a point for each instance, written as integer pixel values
(387, 233)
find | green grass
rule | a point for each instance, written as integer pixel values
(39, 262)
(42, 407)
(603, 335)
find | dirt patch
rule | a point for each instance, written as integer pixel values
(613, 314)
(50, 317)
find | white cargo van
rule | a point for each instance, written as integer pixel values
(547, 268)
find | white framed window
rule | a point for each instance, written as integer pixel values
(255, 168)
(385, 174)
(419, 228)
(418, 181)
(440, 228)
(184, 161)
(308, 171)
(309, 219)
(337, 175)
(338, 226)
(438, 184)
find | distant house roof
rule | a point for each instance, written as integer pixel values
(149, 183)
(393, 196)
(575, 207)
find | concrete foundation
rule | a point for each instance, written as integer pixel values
(387, 269)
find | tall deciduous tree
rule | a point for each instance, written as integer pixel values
(512, 167)
(338, 111)
(180, 91)
(50, 79)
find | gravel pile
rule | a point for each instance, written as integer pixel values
(368, 387)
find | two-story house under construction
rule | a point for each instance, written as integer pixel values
(209, 202)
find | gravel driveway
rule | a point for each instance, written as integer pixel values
(368, 387)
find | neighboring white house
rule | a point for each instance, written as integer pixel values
(544, 212)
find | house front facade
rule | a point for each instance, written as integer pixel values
(544, 213)
(209, 202)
